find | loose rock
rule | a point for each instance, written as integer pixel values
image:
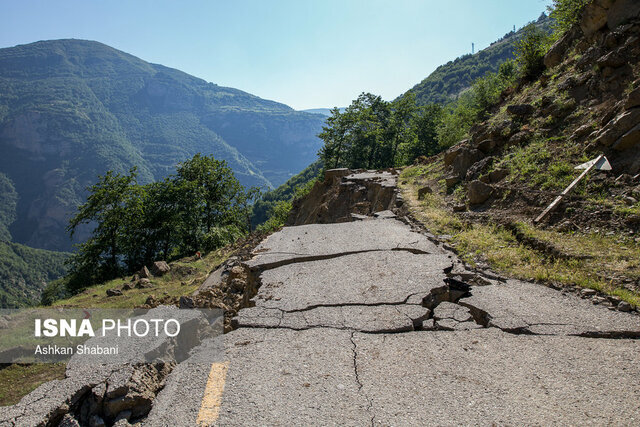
(478, 192)
(521, 110)
(144, 273)
(160, 268)
(624, 306)
(424, 191)
(114, 292)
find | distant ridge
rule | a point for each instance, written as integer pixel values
(323, 111)
(73, 109)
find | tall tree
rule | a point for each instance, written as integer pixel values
(108, 206)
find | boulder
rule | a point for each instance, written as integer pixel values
(624, 306)
(478, 192)
(611, 59)
(424, 191)
(628, 140)
(520, 110)
(622, 11)
(617, 127)
(486, 145)
(582, 131)
(593, 18)
(186, 302)
(478, 168)
(451, 154)
(143, 284)
(465, 159)
(451, 180)
(633, 100)
(556, 53)
(114, 292)
(160, 268)
(127, 287)
(518, 138)
(144, 273)
(498, 175)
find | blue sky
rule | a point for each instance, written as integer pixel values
(304, 53)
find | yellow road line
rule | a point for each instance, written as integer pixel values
(212, 399)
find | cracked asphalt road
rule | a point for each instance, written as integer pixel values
(371, 324)
(354, 324)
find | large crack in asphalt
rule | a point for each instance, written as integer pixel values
(359, 382)
(455, 288)
(300, 258)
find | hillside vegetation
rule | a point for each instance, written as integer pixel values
(273, 204)
(506, 147)
(449, 80)
(484, 192)
(24, 273)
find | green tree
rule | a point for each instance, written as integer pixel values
(108, 207)
(530, 50)
(200, 208)
(215, 199)
(424, 124)
(565, 13)
(401, 130)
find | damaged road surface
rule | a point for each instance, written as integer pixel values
(371, 323)
(365, 323)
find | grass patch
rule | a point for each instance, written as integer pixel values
(592, 259)
(19, 380)
(173, 284)
(544, 164)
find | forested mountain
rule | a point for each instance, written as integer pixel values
(73, 109)
(25, 271)
(452, 78)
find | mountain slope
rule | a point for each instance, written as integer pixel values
(452, 78)
(25, 271)
(487, 192)
(73, 109)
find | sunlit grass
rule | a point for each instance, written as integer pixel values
(18, 380)
(171, 285)
(590, 258)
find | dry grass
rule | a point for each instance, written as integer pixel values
(171, 285)
(19, 380)
(592, 259)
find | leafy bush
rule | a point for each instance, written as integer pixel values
(473, 105)
(279, 213)
(565, 13)
(530, 51)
